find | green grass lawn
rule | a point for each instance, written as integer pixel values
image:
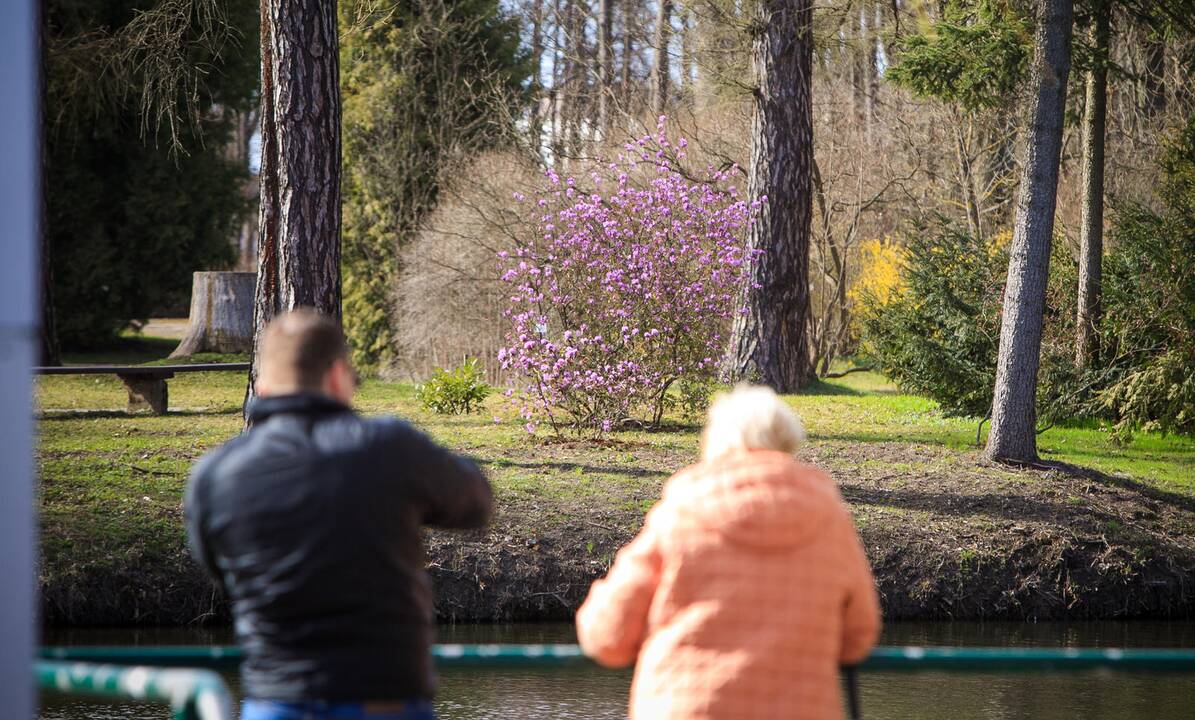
(111, 482)
(85, 430)
(865, 407)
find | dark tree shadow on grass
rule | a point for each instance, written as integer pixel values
(563, 466)
(821, 387)
(1124, 483)
(58, 415)
(675, 426)
(1014, 506)
(895, 436)
(996, 505)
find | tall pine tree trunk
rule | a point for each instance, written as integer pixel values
(628, 54)
(1014, 416)
(537, 57)
(770, 343)
(859, 66)
(574, 77)
(966, 170)
(299, 256)
(873, 65)
(1087, 326)
(605, 65)
(688, 54)
(556, 94)
(661, 73)
(51, 352)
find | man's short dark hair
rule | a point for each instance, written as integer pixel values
(299, 347)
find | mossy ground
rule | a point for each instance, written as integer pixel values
(950, 534)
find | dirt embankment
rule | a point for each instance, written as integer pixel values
(949, 536)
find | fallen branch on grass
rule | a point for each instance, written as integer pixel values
(844, 373)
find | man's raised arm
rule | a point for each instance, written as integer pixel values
(194, 510)
(454, 491)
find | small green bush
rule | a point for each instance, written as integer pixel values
(690, 397)
(694, 397)
(937, 334)
(455, 393)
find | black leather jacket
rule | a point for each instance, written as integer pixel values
(310, 521)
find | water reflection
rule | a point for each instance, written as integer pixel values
(599, 694)
(524, 694)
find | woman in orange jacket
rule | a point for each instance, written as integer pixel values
(747, 587)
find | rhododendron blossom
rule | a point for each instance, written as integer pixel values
(627, 286)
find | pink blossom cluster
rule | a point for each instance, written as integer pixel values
(627, 287)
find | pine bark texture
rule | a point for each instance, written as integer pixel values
(859, 66)
(688, 54)
(769, 342)
(1091, 245)
(1013, 435)
(661, 75)
(628, 52)
(299, 245)
(605, 64)
(537, 57)
(221, 318)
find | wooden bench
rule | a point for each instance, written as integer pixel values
(146, 383)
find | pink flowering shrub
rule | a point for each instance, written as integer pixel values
(626, 288)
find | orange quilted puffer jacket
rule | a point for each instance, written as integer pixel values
(743, 593)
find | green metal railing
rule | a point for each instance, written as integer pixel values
(191, 694)
(121, 672)
(1012, 660)
(885, 659)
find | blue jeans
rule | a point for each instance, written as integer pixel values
(320, 710)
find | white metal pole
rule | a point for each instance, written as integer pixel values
(20, 193)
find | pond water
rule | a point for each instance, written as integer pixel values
(600, 694)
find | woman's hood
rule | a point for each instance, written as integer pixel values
(759, 498)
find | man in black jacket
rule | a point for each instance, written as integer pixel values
(310, 522)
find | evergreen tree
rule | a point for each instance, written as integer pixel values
(426, 85)
(139, 191)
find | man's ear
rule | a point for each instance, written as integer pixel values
(339, 382)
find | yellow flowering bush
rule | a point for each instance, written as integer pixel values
(879, 272)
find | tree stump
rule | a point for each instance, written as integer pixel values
(147, 391)
(221, 314)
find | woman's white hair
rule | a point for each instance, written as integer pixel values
(750, 418)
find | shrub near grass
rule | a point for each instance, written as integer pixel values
(936, 331)
(458, 392)
(1149, 325)
(628, 288)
